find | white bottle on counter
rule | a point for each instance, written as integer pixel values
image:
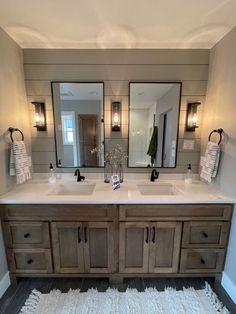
(51, 175)
(189, 176)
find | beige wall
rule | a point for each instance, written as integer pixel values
(220, 112)
(13, 112)
(116, 68)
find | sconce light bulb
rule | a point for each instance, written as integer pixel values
(116, 118)
(194, 119)
(37, 118)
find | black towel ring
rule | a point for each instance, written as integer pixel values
(11, 130)
(219, 131)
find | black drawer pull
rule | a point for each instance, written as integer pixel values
(85, 235)
(204, 234)
(154, 234)
(79, 238)
(30, 261)
(147, 234)
(27, 235)
(202, 261)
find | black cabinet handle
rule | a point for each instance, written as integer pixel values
(79, 238)
(30, 261)
(202, 261)
(154, 234)
(26, 235)
(85, 235)
(147, 234)
(204, 234)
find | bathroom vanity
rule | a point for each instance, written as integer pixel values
(116, 240)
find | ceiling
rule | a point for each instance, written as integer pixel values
(81, 91)
(145, 95)
(117, 24)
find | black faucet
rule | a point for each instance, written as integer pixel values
(154, 175)
(79, 177)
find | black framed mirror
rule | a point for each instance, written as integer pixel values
(154, 109)
(78, 109)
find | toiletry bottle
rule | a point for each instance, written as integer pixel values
(189, 176)
(51, 174)
(59, 170)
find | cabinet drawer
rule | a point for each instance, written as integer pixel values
(205, 234)
(178, 212)
(202, 260)
(30, 261)
(27, 234)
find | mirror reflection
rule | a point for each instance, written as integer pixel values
(78, 122)
(153, 124)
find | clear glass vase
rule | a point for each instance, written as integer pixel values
(108, 171)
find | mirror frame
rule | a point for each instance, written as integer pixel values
(177, 132)
(102, 121)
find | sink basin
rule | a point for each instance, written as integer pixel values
(73, 189)
(156, 189)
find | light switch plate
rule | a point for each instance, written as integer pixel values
(188, 144)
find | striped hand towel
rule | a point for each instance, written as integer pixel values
(19, 162)
(210, 162)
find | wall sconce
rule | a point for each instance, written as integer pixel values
(116, 116)
(40, 116)
(191, 116)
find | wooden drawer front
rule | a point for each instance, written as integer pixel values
(202, 260)
(27, 234)
(30, 261)
(59, 212)
(205, 234)
(178, 212)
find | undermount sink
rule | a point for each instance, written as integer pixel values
(73, 189)
(157, 189)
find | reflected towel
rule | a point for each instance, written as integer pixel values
(19, 162)
(152, 149)
(210, 162)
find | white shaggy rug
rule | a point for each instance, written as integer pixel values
(170, 301)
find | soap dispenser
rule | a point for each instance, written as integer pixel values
(188, 176)
(51, 174)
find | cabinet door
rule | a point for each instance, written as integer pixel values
(98, 240)
(164, 247)
(134, 247)
(67, 247)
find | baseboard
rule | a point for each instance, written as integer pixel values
(4, 284)
(229, 286)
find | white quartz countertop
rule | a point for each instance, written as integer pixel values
(39, 191)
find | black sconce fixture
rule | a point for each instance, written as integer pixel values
(40, 116)
(191, 116)
(116, 116)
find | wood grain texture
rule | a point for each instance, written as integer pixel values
(27, 234)
(205, 234)
(180, 212)
(202, 260)
(165, 247)
(99, 247)
(134, 247)
(26, 261)
(41, 212)
(67, 245)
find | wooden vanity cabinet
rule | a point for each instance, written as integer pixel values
(149, 247)
(116, 241)
(86, 247)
